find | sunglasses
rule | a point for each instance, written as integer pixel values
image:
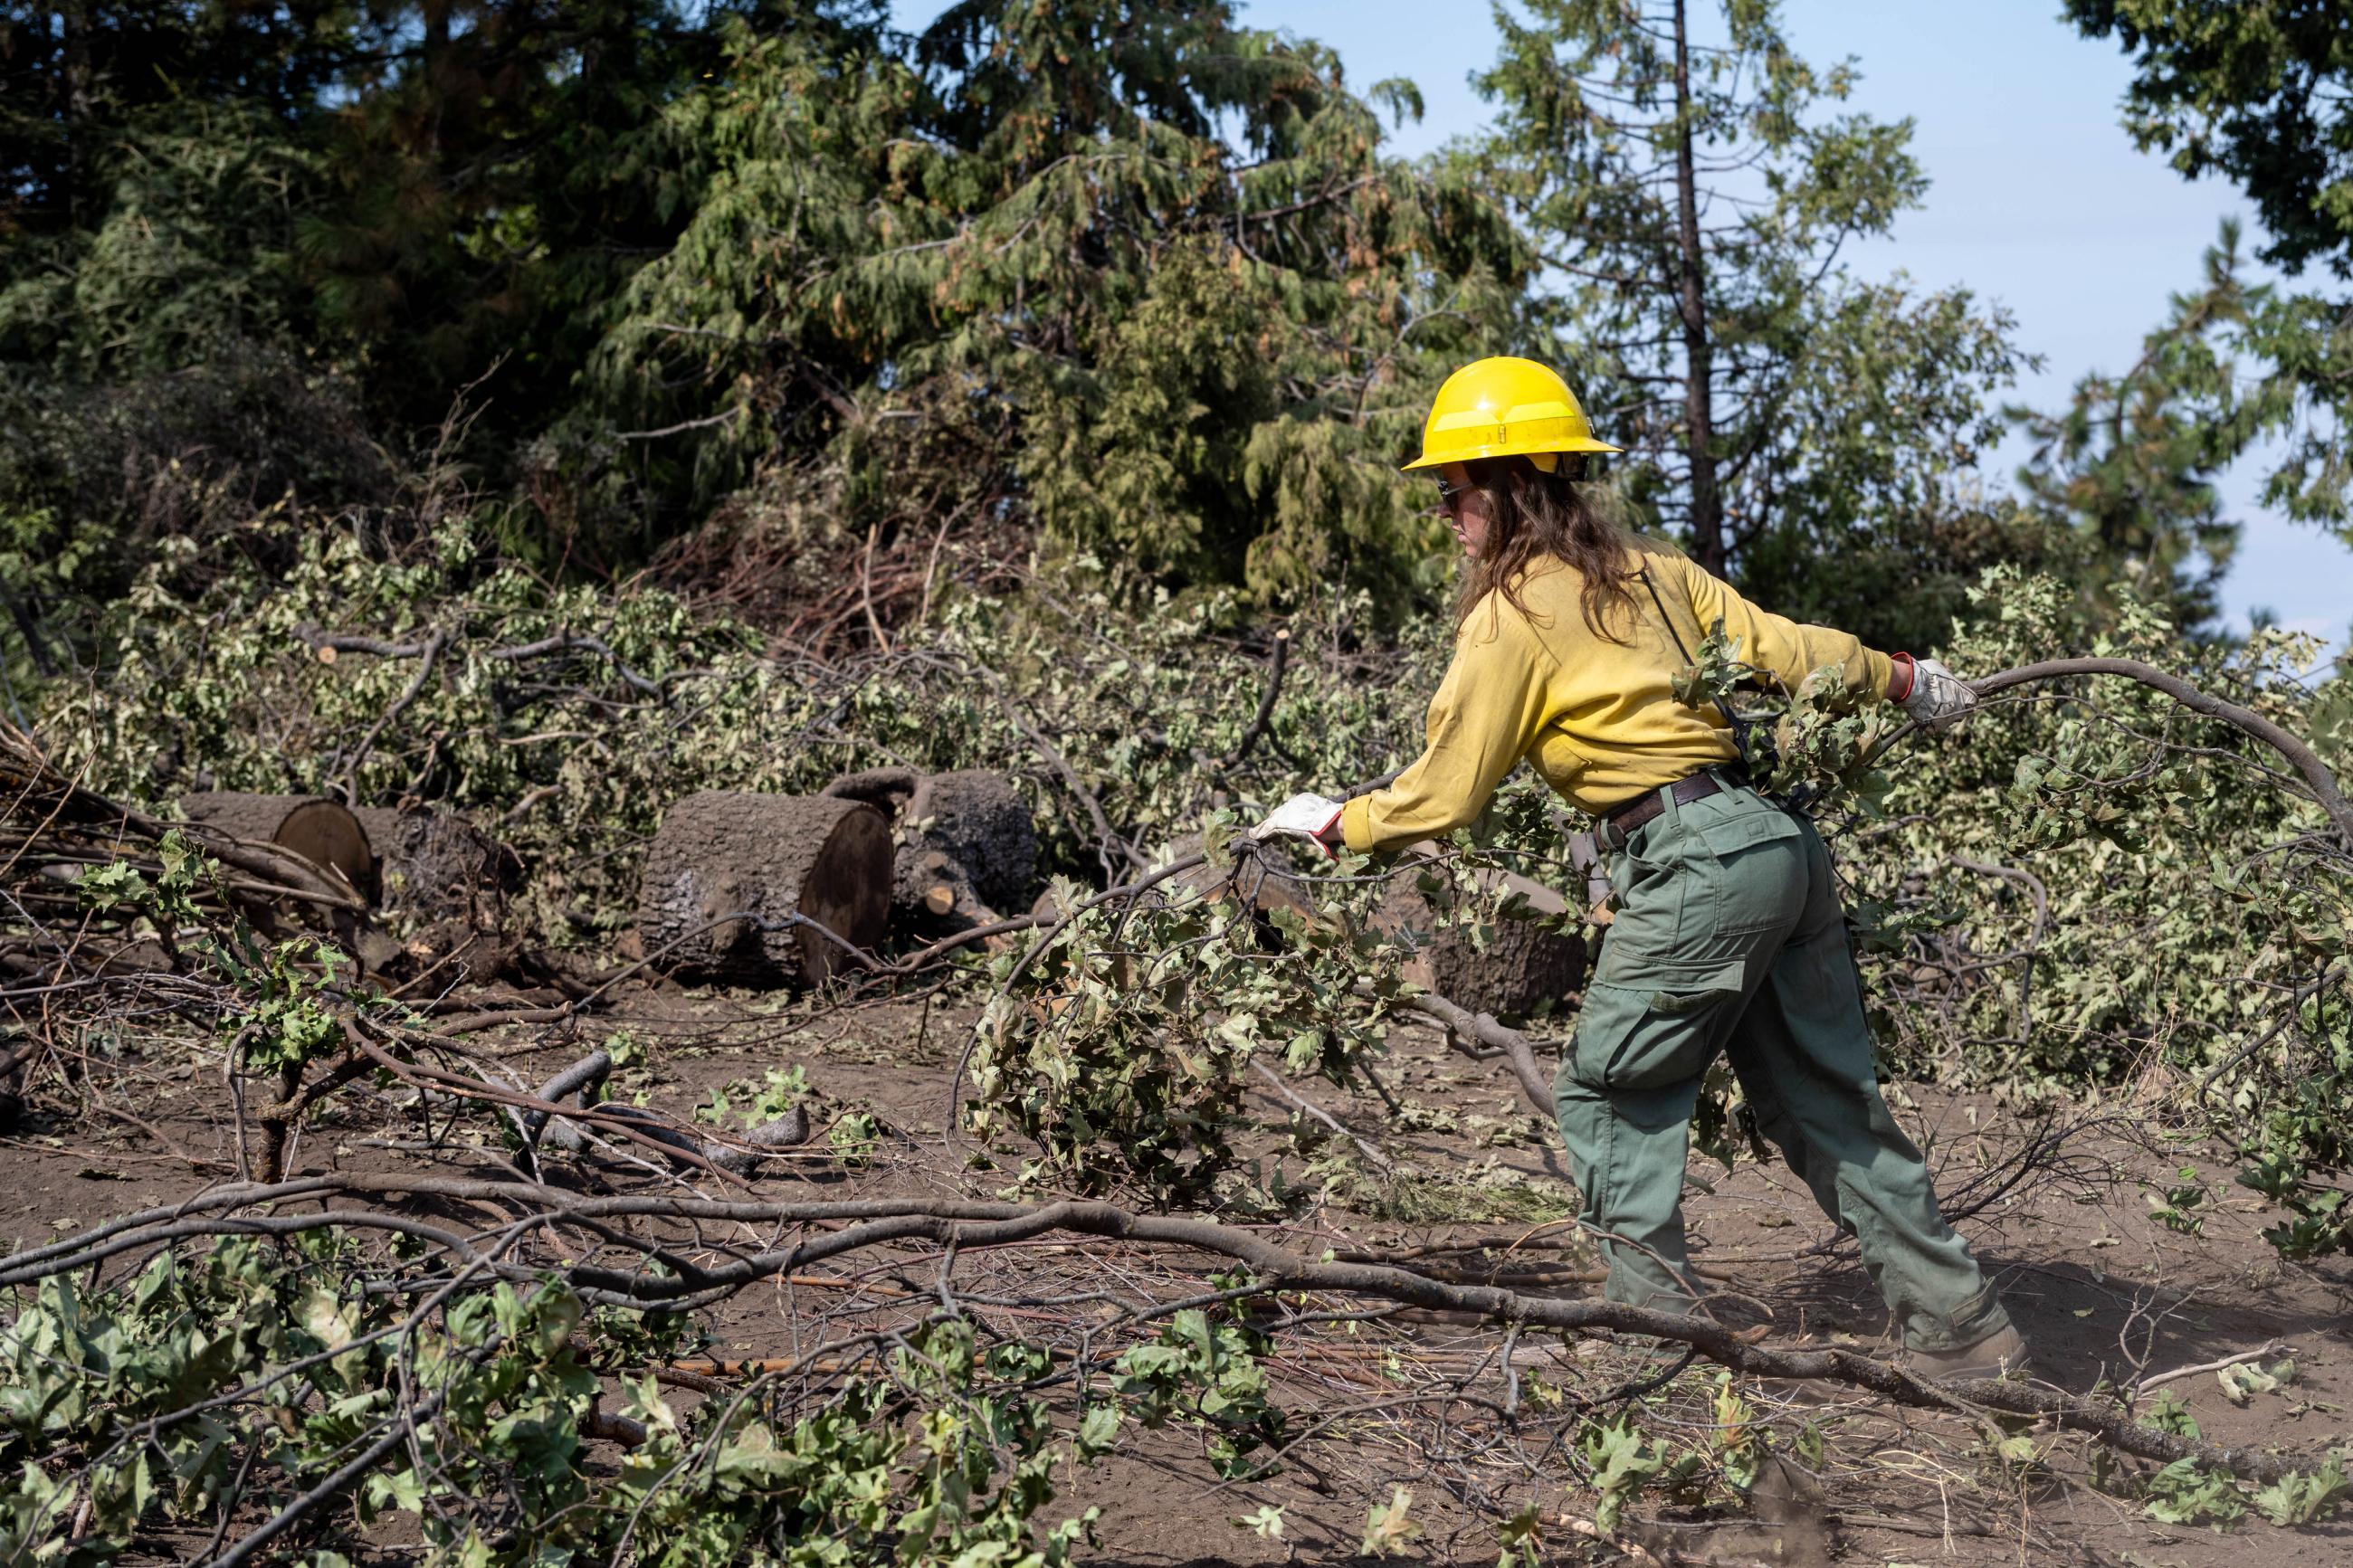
(1449, 495)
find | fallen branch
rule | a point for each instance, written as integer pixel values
(2317, 776)
(2287, 1017)
(2018, 876)
(1265, 714)
(1315, 1112)
(2179, 1372)
(1500, 1040)
(566, 642)
(351, 768)
(963, 1225)
(326, 644)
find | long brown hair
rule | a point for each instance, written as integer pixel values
(1535, 514)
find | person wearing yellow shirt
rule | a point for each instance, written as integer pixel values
(1728, 936)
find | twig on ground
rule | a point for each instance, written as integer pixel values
(2270, 1348)
(1315, 1112)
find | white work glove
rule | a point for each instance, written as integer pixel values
(1302, 816)
(1937, 696)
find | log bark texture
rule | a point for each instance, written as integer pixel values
(774, 857)
(968, 845)
(435, 866)
(1525, 965)
(323, 831)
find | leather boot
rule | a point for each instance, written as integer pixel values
(2001, 1354)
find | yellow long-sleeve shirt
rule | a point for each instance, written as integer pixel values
(1598, 718)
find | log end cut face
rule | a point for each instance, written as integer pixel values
(323, 831)
(847, 890)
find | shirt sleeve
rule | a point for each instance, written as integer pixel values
(1486, 715)
(1789, 650)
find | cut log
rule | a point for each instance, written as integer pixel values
(978, 821)
(434, 867)
(967, 832)
(774, 857)
(52, 830)
(321, 831)
(1527, 966)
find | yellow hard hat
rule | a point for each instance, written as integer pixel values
(1505, 408)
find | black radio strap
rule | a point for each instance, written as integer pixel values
(1738, 726)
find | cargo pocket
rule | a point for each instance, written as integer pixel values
(1650, 884)
(1759, 880)
(1654, 1023)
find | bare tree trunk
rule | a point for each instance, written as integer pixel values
(29, 627)
(79, 81)
(1699, 355)
(434, 64)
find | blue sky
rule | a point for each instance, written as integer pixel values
(2040, 200)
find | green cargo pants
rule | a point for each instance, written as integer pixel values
(1729, 937)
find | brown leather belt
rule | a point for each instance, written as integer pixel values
(1620, 824)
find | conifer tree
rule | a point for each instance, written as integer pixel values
(2129, 466)
(1691, 185)
(1127, 269)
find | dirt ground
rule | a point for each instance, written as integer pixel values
(2103, 1289)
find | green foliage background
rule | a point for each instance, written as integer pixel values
(1129, 283)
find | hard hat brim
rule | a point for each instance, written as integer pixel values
(1507, 449)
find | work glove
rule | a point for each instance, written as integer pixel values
(1302, 816)
(1937, 696)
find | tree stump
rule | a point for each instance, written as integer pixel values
(434, 867)
(458, 951)
(967, 846)
(723, 852)
(321, 831)
(1525, 966)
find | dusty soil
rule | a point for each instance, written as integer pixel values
(2103, 1289)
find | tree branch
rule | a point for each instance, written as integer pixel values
(2317, 776)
